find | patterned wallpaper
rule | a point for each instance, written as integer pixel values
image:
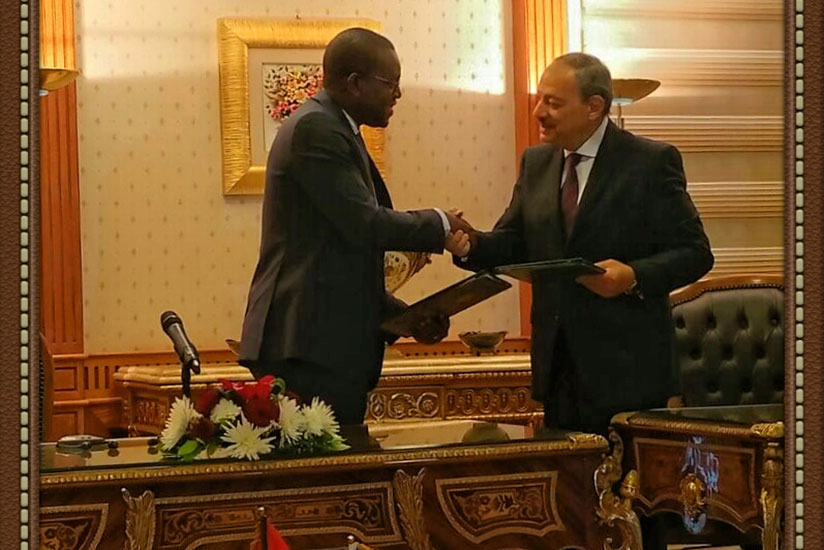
(157, 232)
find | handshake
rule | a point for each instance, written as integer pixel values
(462, 236)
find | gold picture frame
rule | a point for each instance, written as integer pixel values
(240, 39)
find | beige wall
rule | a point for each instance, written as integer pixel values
(157, 232)
(720, 64)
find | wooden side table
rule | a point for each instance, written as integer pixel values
(709, 464)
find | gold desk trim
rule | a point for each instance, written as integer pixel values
(760, 431)
(575, 442)
(168, 375)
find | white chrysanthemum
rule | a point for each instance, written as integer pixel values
(224, 410)
(246, 440)
(180, 415)
(320, 418)
(291, 421)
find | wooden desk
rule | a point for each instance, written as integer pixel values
(445, 485)
(709, 464)
(496, 388)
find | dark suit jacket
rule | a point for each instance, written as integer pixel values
(318, 290)
(634, 209)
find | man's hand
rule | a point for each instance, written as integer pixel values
(617, 279)
(431, 330)
(458, 243)
(457, 223)
(460, 240)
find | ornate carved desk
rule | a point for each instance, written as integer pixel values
(445, 485)
(495, 388)
(710, 464)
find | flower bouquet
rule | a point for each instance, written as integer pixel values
(248, 421)
(288, 86)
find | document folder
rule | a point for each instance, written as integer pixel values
(567, 268)
(448, 301)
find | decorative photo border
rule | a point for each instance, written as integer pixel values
(804, 275)
(19, 274)
(804, 296)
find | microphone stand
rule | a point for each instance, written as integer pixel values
(186, 375)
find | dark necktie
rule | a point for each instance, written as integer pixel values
(366, 161)
(569, 193)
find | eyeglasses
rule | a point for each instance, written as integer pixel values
(395, 84)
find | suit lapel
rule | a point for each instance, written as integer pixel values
(597, 183)
(364, 161)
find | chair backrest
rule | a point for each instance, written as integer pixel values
(729, 340)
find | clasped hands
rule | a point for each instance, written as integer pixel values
(462, 236)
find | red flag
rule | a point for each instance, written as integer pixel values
(273, 540)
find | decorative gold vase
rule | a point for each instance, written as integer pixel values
(399, 267)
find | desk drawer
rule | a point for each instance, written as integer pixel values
(728, 475)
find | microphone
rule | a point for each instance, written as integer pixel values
(186, 351)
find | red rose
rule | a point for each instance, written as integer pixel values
(206, 401)
(203, 428)
(259, 390)
(261, 412)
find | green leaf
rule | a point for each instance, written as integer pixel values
(191, 446)
(213, 445)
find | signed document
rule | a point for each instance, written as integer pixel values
(448, 301)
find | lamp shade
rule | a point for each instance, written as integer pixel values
(629, 90)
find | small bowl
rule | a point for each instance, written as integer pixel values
(482, 342)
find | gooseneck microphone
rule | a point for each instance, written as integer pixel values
(186, 351)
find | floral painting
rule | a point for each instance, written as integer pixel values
(285, 88)
(267, 68)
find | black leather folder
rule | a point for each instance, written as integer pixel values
(448, 301)
(567, 268)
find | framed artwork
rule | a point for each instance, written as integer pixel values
(268, 68)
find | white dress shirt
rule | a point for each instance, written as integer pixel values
(588, 151)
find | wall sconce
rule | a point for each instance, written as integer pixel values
(629, 90)
(54, 78)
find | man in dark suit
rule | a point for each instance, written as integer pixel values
(317, 297)
(602, 343)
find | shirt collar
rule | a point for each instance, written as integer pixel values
(590, 147)
(351, 122)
